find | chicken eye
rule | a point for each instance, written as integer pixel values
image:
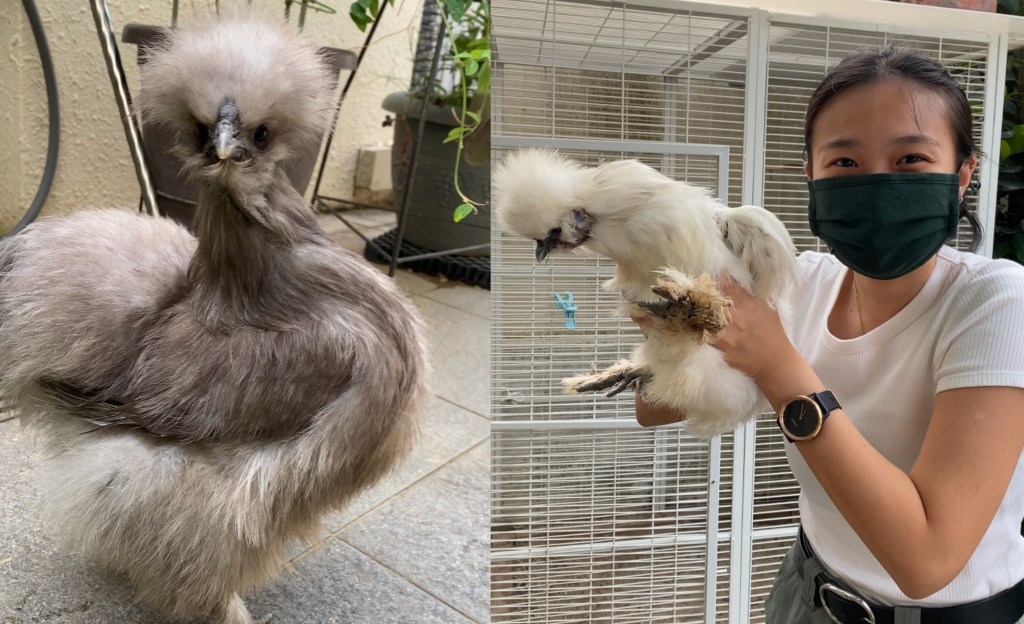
(202, 134)
(260, 136)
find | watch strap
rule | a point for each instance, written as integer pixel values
(826, 401)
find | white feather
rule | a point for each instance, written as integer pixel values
(652, 226)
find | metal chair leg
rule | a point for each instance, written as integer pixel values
(108, 42)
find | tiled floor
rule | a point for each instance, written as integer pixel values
(414, 549)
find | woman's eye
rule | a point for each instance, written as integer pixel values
(911, 159)
(843, 162)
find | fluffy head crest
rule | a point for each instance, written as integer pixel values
(534, 189)
(273, 76)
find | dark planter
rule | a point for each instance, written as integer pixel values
(429, 224)
(175, 195)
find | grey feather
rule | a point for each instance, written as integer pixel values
(206, 400)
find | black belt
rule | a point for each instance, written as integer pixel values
(846, 607)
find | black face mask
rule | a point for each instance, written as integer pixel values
(885, 225)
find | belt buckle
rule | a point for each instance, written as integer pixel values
(842, 593)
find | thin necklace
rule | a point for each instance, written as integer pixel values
(856, 300)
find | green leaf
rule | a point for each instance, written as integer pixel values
(475, 117)
(483, 79)
(472, 67)
(374, 8)
(455, 134)
(463, 211)
(358, 14)
(1004, 150)
(456, 8)
(1016, 141)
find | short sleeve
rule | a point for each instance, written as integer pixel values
(982, 337)
(808, 261)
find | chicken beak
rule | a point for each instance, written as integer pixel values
(544, 247)
(226, 130)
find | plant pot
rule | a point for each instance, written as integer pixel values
(175, 195)
(429, 223)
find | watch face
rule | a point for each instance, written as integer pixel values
(801, 418)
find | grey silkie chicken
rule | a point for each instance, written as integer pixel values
(206, 400)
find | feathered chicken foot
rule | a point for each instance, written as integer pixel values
(618, 377)
(235, 612)
(694, 304)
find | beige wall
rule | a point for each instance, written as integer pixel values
(10, 116)
(95, 169)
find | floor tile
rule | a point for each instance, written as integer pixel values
(339, 585)
(412, 283)
(460, 352)
(414, 533)
(472, 299)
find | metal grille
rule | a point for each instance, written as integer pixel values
(595, 519)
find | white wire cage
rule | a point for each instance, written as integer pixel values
(593, 518)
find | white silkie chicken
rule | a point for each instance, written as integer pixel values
(669, 240)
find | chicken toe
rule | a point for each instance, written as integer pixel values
(693, 304)
(616, 378)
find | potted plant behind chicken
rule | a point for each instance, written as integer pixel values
(451, 186)
(176, 196)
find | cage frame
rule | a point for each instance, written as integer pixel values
(997, 33)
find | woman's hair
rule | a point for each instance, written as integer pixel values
(897, 64)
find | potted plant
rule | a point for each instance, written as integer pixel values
(448, 206)
(1009, 222)
(176, 196)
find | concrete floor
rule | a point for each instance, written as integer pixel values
(412, 550)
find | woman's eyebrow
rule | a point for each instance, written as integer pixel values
(914, 138)
(838, 143)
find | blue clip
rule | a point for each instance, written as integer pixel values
(566, 306)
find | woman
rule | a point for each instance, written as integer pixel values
(902, 385)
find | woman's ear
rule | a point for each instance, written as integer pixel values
(966, 171)
(807, 169)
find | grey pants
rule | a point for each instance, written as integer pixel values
(794, 601)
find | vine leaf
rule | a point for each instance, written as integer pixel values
(463, 211)
(457, 8)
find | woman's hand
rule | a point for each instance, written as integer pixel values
(754, 342)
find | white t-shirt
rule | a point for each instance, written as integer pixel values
(965, 328)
